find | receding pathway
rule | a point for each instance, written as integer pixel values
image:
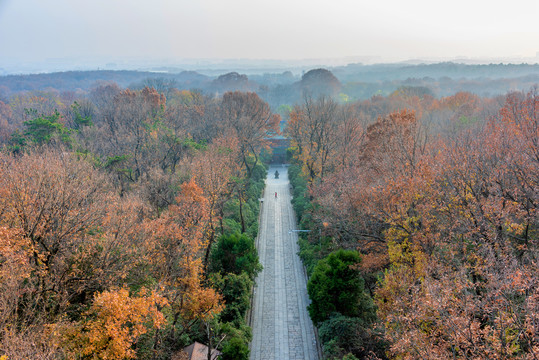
(281, 325)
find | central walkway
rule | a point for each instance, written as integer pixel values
(281, 325)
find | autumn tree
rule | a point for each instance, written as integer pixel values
(311, 128)
(80, 114)
(114, 322)
(350, 136)
(176, 251)
(451, 220)
(34, 342)
(6, 128)
(189, 123)
(54, 200)
(216, 168)
(251, 120)
(195, 113)
(64, 238)
(102, 97)
(353, 201)
(129, 132)
(14, 270)
(162, 85)
(394, 145)
(463, 247)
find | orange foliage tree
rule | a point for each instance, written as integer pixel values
(176, 245)
(215, 168)
(54, 201)
(112, 325)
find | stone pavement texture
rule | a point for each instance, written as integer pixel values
(281, 325)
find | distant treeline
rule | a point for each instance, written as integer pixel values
(383, 72)
(354, 81)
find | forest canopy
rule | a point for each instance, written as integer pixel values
(128, 211)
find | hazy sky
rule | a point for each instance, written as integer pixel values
(268, 29)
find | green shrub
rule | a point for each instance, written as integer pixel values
(348, 337)
(236, 291)
(235, 349)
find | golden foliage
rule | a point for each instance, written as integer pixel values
(113, 323)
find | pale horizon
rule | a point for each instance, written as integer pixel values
(38, 32)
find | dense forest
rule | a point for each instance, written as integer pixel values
(127, 222)
(128, 213)
(423, 212)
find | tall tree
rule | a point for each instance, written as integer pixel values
(130, 131)
(56, 201)
(252, 122)
(112, 325)
(216, 168)
(312, 129)
(176, 250)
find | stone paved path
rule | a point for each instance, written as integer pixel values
(281, 325)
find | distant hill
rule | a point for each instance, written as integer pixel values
(84, 80)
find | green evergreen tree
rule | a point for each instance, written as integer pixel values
(43, 128)
(336, 286)
(235, 253)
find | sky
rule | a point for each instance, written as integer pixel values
(387, 30)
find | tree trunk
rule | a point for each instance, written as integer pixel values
(241, 212)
